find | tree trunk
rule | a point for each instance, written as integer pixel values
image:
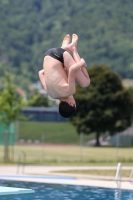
(97, 139)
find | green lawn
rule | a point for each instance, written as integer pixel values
(125, 173)
(70, 155)
(65, 147)
(54, 132)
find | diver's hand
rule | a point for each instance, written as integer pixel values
(71, 101)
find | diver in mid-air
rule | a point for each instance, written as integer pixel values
(61, 72)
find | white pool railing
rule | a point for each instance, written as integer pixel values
(118, 175)
(130, 178)
(118, 180)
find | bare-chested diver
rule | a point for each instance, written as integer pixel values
(60, 73)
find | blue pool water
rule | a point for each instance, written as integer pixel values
(64, 192)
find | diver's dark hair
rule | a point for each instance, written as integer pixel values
(66, 110)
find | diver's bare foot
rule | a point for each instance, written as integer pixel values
(73, 44)
(74, 40)
(66, 41)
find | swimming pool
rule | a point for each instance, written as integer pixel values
(64, 192)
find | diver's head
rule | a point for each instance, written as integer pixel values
(66, 110)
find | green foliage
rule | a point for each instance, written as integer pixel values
(38, 100)
(10, 105)
(10, 102)
(29, 28)
(103, 106)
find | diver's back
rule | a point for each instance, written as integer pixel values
(55, 77)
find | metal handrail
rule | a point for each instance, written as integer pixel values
(131, 176)
(118, 177)
(20, 155)
(118, 173)
(130, 181)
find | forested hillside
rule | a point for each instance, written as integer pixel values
(29, 27)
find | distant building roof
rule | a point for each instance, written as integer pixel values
(46, 109)
(43, 114)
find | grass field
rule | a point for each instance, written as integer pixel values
(125, 173)
(54, 132)
(65, 147)
(70, 155)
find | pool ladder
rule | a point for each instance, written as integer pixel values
(21, 155)
(118, 181)
(118, 177)
(130, 178)
(130, 181)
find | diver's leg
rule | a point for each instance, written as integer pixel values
(81, 75)
(73, 73)
(77, 59)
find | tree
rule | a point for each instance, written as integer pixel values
(103, 106)
(10, 105)
(38, 100)
(23, 42)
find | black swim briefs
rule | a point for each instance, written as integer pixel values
(56, 53)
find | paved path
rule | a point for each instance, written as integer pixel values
(11, 172)
(40, 170)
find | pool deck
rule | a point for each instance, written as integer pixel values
(49, 174)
